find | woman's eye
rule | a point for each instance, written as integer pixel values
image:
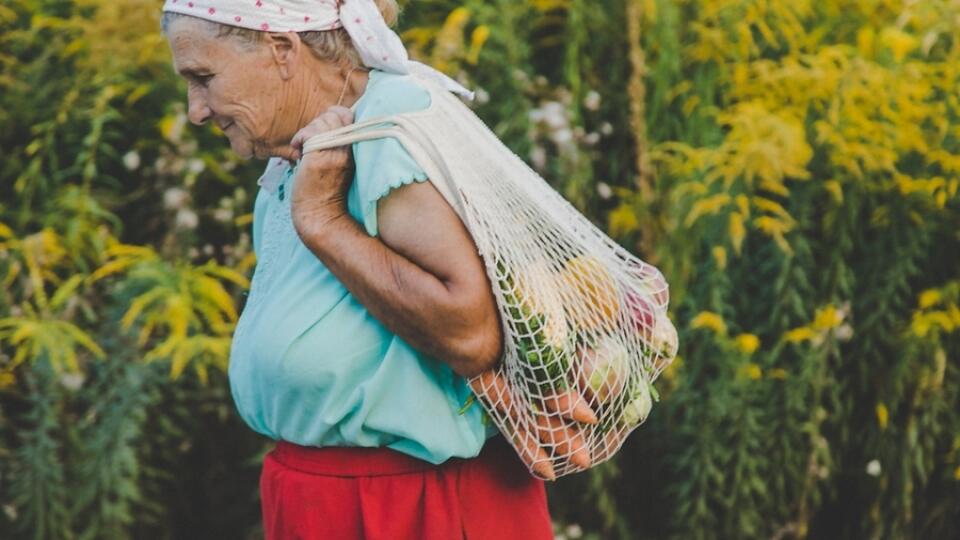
(204, 80)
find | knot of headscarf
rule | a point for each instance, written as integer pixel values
(379, 46)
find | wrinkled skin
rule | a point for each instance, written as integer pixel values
(260, 95)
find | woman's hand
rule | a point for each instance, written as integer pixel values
(323, 176)
(557, 427)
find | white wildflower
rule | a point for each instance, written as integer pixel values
(196, 165)
(554, 114)
(175, 198)
(72, 381)
(223, 215)
(186, 219)
(592, 100)
(131, 160)
(873, 468)
(604, 190)
(844, 332)
(538, 156)
(562, 136)
(843, 311)
(482, 96)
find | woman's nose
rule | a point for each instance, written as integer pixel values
(198, 111)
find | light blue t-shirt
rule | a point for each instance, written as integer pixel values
(308, 363)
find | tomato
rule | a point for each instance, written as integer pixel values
(653, 282)
(641, 313)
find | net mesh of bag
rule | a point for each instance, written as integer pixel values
(585, 324)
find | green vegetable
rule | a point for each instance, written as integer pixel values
(639, 407)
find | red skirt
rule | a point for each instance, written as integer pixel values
(310, 493)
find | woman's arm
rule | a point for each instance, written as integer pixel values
(424, 281)
(423, 278)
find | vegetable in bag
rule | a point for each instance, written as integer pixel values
(585, 323)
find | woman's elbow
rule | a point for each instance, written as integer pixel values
(481, 349)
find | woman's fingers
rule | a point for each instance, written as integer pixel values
(610, 444)
(333, 118)
(571, 405)
(532, 452)
(529, 445)
(551, 428)
(492, 388)
(566, 440)
(343, 114)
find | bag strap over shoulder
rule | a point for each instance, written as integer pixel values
(396, 126)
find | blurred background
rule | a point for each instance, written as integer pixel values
(792, 166)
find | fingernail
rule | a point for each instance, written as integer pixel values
(583, 413)
(581, 458)
(545, 470)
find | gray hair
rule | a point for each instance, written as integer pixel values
(327, 45)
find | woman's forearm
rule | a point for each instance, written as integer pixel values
(424, 310)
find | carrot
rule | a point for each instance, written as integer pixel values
(493, 388)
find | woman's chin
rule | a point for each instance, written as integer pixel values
(243, 150)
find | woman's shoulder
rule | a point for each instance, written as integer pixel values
(391, 93)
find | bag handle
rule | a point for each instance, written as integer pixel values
(427, 157)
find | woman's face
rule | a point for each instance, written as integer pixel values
(239, 90)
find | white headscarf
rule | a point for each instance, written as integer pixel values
(378, 45)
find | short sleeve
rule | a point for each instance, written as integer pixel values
(384, 164)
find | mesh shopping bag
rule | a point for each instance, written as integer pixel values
(585, 322)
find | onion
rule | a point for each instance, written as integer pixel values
(604, 370)
(665, 338)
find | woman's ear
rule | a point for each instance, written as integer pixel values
(285, 48)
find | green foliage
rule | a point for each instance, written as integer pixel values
(38, 485)
(792, 167)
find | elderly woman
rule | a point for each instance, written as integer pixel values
(369, 307)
